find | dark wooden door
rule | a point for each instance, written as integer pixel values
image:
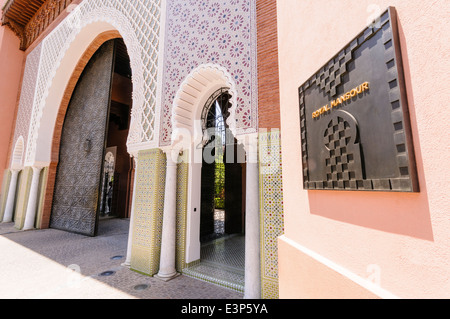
(233, 192)
(76, 195)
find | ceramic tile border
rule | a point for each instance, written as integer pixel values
(182, 199)
(148, 211)
(271, 210)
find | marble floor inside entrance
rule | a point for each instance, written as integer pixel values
(222, 260)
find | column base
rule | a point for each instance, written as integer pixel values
(167, 277)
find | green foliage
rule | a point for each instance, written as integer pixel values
(219, 185)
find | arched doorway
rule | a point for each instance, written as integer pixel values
(222, 203)
(97, 118)
(187, 134)
(222, 206)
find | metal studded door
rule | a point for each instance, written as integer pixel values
(77, 184)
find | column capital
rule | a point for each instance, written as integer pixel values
(15, 170)
(37, 164)
(135, 161)
(37, 169)
(171, 155)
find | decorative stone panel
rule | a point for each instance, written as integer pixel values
(27, 94)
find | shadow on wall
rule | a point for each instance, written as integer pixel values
(400, 213)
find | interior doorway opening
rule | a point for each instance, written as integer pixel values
(223, 171)
(117, 165)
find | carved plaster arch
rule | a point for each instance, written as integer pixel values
(17, 155)
(190, 99)
(65, 46)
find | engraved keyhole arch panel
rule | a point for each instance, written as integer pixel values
(343, 151)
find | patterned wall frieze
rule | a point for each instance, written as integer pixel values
(271, 210)
(211, 32)
(45, 15)
(29, 19)
(148, 211)
(138, 22)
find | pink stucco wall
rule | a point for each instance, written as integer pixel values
(406, 237)
(11, 60)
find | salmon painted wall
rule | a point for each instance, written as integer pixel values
(11, 62)
(398, 241)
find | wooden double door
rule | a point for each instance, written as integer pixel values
(82, 148)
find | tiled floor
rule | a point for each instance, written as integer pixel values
(41, 264)
(222, 259)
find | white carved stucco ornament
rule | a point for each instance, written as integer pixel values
(138, 22)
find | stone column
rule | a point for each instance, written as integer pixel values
(252, 221)
(30, 216)
(167, 270)
(127, 262)
(11, 199)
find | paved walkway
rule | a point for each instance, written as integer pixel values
(59, 265)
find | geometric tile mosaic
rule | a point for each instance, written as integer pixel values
(148, 211)
(222, 263)
(271, 210)
(222, 33)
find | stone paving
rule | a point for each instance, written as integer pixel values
(52, 264)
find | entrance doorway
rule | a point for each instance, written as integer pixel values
(118, 165)
(97, 119)
(222, 183)
(222, 205)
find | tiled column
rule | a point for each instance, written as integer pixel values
(167, 268)
(30, 216)
(9, 209)
(252, 227)
(127, 262)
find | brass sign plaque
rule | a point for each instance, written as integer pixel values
(354, 118)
